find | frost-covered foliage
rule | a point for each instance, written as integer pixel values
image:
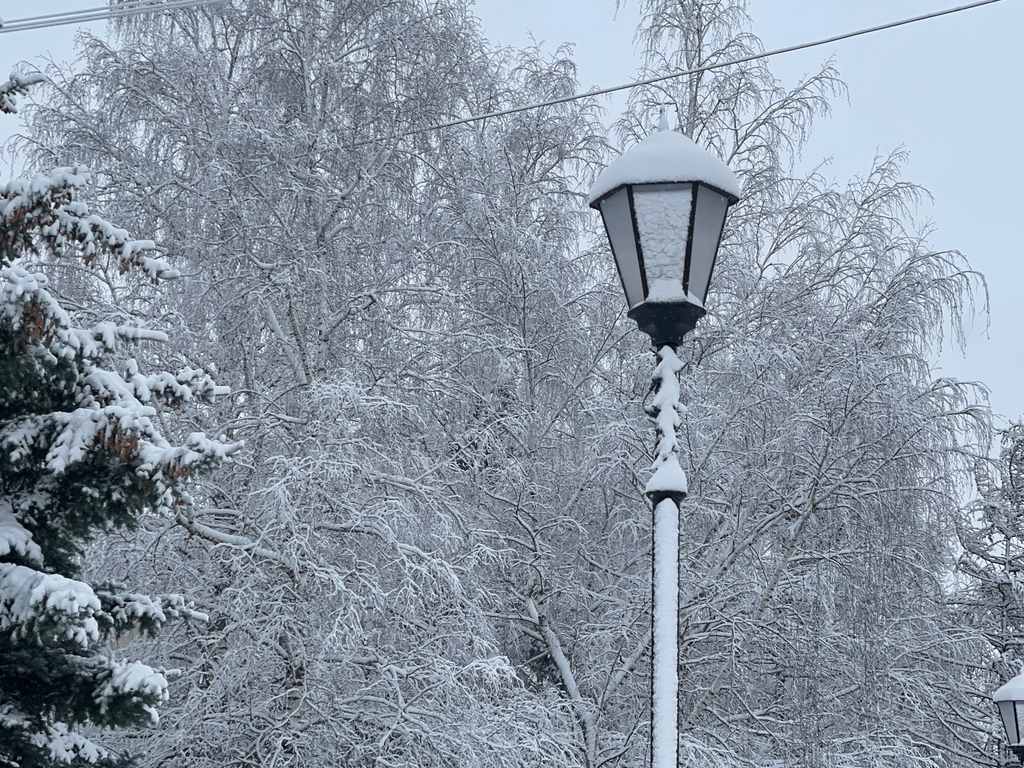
(81, 454)
(436, 552)
(992, 596)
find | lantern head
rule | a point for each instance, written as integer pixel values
(663, 204)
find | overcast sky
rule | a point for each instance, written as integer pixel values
(948, 90)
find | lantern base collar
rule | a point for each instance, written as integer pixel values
(667, 322)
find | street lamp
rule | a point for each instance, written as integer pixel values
(1010, 700)
(663, 204)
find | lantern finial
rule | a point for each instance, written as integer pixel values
(663, 118)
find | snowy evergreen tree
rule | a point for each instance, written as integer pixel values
(81, 455)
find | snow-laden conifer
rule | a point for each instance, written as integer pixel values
(81, 454)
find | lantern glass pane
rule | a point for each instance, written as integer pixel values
(708, 224)
(1009, 711)
(663, 220)
(618, 222)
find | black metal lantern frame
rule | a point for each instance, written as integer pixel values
(665, 269)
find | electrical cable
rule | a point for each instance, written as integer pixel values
(127, 5)
(698, 70)
(99, 14)
(143, 6)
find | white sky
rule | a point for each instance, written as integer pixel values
(947, 89)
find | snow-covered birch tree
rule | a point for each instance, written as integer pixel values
(824, 454)
(991, 599)
(374, 306)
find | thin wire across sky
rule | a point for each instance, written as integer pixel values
(121, 10)
(136, 7)
(708, 68)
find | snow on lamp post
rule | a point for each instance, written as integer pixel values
(663, 204)
(1010, 700)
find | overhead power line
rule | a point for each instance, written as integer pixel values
(130, 8)
(708, 68)
(136, 7)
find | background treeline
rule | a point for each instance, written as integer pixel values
(433, 549)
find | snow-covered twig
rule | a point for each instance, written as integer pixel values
(17, 85)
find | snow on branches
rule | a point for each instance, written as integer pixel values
(111, 411)
(43, 212)
(17, 85)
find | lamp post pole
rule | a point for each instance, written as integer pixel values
(664, 204)
(666, 489)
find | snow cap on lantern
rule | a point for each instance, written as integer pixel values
(663, 204)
